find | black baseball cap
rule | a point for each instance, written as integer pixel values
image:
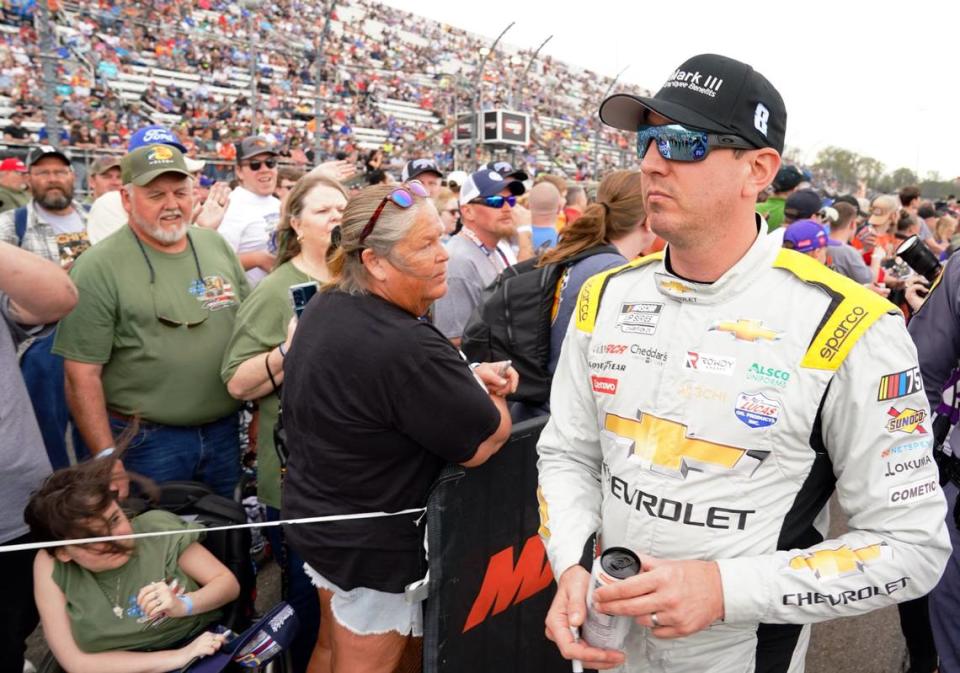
(713, 93)
(851, 200)
(788, 177)
(44, 151)
(417, 167)
(802, 204)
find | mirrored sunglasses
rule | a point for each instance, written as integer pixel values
(675, 142)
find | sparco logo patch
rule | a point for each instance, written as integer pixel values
(842, 332)
(604, 384)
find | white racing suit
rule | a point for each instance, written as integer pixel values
(713, 421)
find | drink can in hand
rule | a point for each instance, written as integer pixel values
(608, 632)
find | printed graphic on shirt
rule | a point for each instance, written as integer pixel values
(70, 246)
(908, 420)
(901, 384)
(893, 468)
(665, 448)
(639, 317)
(708, 363)
(675, 289)
(770, 376)
(214, 293)
(746, 330)
(700, 392)
(604, 384)
(914, 491)
(270, 223)
(831, 564)
(924, 443)
(756, 410)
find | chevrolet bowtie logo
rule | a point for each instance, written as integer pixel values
(827, 564)
(746, 330)
(674, 286)
(667, 448)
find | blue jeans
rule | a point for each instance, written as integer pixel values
(209, 453)
(43, 375)
(298, 591)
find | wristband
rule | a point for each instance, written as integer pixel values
(187, 603)
(283, 353)
(106, 453)
(525, 229)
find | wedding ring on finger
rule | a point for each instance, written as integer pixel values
(655, 620)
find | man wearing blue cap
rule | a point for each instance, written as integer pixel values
(479, 252)
(710, 399)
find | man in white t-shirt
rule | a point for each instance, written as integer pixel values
(254, 212)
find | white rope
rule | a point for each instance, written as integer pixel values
(160, 533)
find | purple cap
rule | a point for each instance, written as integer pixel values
(256, 646)
(154, 135)
(805, 236)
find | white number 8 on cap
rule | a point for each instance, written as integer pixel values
(760, 118)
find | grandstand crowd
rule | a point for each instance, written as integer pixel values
(157, 257)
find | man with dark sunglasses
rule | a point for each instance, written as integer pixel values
(708, 401)
(253, 211)
(158, 300)
(479, 252)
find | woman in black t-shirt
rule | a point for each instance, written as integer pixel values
(375, 402)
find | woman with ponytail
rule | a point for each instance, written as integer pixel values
(253, 361)
(616, 226)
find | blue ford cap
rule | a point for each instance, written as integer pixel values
(154, 135)
(486, 182)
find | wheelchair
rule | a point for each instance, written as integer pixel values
(195, 502)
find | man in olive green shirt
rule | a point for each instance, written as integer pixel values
(158, 300)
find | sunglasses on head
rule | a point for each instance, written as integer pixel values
(679, 143)
(255, 165)
(496, 201)
(401, 196)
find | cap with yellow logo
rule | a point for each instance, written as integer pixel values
(145, 164)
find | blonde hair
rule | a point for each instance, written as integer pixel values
(392, 226)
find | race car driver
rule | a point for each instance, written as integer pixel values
(709, 400)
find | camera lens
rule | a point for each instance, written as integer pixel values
(920, 258)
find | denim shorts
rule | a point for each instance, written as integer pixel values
(368, 612)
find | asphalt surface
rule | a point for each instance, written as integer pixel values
(871, 643)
